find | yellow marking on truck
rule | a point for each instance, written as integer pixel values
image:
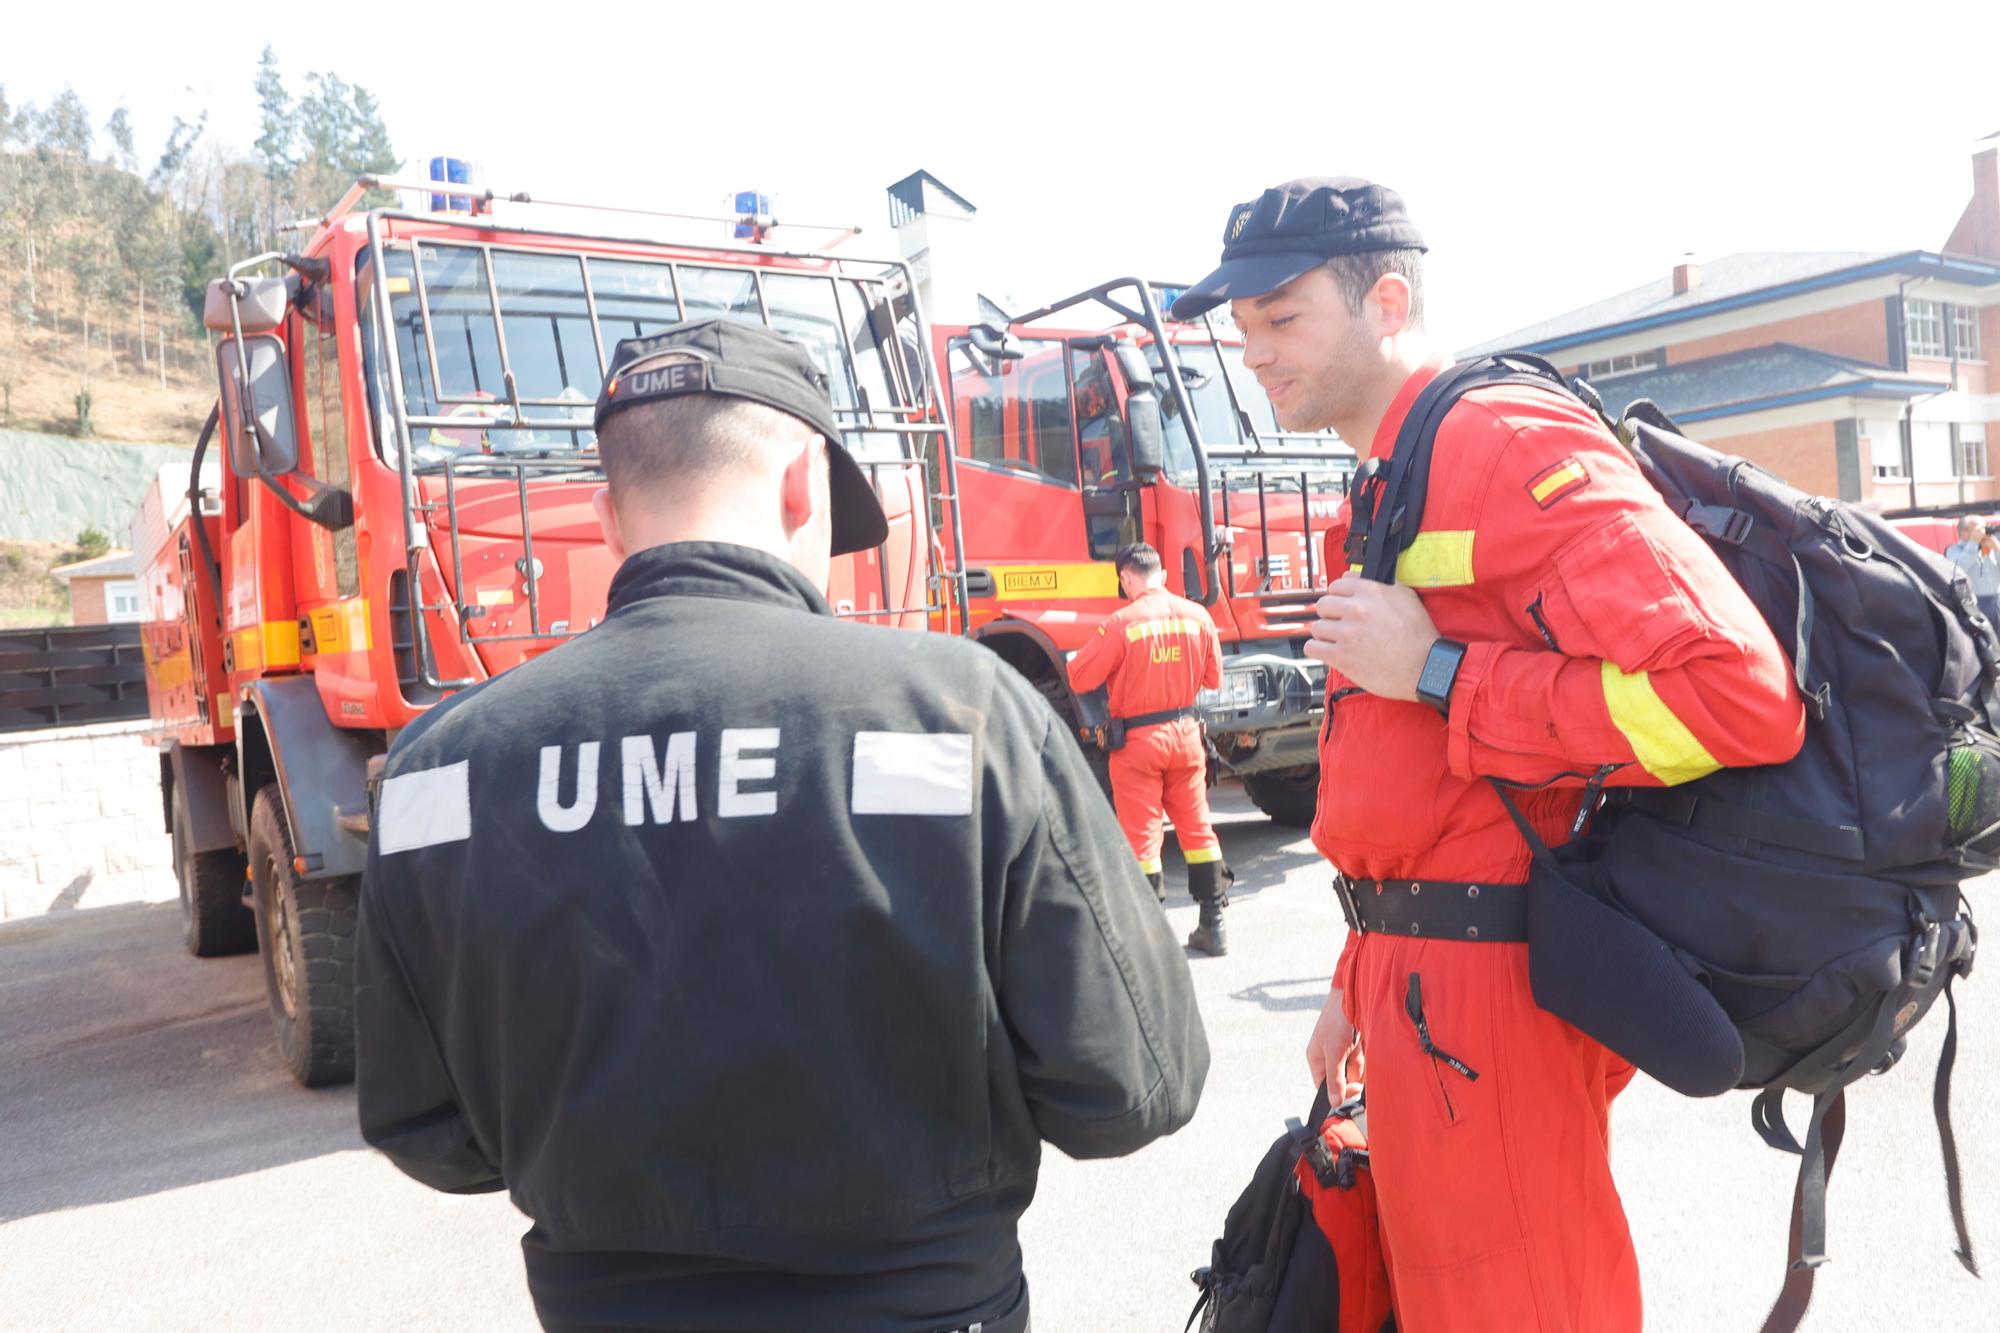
(1061, 582)
(341, 627)
(494, 596)
(274, 643)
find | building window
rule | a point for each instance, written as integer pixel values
(121, 602)
(1885, 445)
(1923, 328)
(1630, 364)
(1965, 330)
(1972, 460)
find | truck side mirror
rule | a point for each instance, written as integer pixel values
(992, 343)
(257, 406)
(1149, 434)
(1142, 414)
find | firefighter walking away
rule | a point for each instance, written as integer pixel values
(1156, 655)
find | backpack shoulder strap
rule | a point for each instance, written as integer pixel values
(1389, 506)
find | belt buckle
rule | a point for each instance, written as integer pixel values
(1343, 888)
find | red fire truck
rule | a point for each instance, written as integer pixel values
(391, 501)
(1093, 422)
(402, 508)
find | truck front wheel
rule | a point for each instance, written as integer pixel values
(305, 930)
(1288, 795)
(214, 920)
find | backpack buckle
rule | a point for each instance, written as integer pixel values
(1719, 522)
(1927, 953)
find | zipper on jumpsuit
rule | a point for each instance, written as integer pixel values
(1413, 1003)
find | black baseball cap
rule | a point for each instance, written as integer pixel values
(1292, 229)
(744, 360)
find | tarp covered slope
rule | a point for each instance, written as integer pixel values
(52, 488)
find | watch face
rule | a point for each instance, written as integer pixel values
(1440, 670)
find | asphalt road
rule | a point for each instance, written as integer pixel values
(158, 1171)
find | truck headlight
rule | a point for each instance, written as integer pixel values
(1239, 689)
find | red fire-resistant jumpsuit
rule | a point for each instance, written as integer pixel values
(1157, 653)
(1601, 631)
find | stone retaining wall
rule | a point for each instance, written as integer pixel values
(80, 821)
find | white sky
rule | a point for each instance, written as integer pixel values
(1552, 158)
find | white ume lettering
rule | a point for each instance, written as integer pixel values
(658, 783)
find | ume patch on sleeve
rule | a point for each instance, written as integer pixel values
(912, 773)
(1554, 483)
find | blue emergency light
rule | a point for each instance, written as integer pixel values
(753, 215)
(451, 171)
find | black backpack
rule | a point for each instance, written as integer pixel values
(1273, 1270)
(1777, 928)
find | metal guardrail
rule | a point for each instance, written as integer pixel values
(66, 677)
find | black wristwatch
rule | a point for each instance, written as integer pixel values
(1434, 682)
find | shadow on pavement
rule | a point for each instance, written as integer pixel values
(1297, 995)
(128, 1067)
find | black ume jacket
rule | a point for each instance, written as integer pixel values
(756, 953)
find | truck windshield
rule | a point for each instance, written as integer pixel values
(467, 317)
(1281, 455)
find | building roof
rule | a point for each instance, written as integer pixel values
(1756, 379)
(1750, 278)
(921, 193)
(110, 565)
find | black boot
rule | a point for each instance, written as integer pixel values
(1205, 883)
(1159, 887)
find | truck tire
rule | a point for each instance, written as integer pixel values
(214, 921)
(305, 930)
(1288, 795)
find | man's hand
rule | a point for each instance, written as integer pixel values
(1334, 1054)
(1375, 634)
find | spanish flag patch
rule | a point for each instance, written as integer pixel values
(1554, 483)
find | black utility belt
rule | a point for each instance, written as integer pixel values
(1112, 735)
(1154, 719)
(1434, 909)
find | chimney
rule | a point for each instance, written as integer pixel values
(1978, 230)
(932, 223)
(1687, 275)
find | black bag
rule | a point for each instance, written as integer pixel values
(1777, 928)
(1275, 1269)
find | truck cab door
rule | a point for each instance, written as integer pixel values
(1118, 508)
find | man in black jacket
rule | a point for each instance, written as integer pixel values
(756, 952)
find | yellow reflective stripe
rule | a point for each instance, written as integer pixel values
(1153, 629)
(1196, 856)
(1151, 867)
(1436, 560)
(1054, 582)
(1660, 741)
(1556, 480)
(275, 643)
(341, 627)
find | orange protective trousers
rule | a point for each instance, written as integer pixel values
(1164, 769)
(1491, 1149)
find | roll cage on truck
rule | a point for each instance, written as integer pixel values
(391, 501)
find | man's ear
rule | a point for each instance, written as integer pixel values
(795, 487)
(607, 522)
(1389, 301)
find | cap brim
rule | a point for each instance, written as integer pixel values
(1252, 275)
(858, 520)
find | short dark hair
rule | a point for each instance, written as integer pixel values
(695, 438)
(1139, 558)
(1356, 275)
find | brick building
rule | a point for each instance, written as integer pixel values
(1859, 375)
(104, 591)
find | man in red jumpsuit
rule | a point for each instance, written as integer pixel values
(1565, 627)
(1156, 654)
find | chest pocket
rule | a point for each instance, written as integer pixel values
(1387, 809)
